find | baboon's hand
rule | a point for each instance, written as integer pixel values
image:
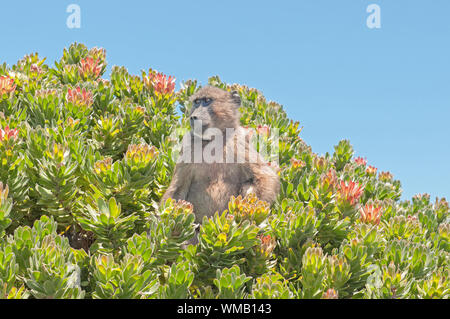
(247, 189)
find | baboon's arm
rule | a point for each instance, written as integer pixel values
(179, 186)
(265, 182)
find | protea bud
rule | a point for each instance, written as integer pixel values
(329, 181)
(385, 176)
(7, 134)
(371, 214)
(71, 122)
(159, 82)
(80, 97)
(35, 69)
(248, 208)
(90, 68)
(360, 161)
(140, 154)
(320, 163)
(296, 163)
(330, 294)
(103, 165)
(45, 93)
(98, 54)
(182, 207)
(263, 130)
(313, 259)
(371, 170)
(349, 192)
(57, 153)
(7, 86)
(268, 244)
(139, 109)
(4, 190)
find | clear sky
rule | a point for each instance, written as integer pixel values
(386, 89)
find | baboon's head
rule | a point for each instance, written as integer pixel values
(214, 108)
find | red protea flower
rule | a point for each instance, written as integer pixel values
(159, 82)
(7, 133)
(7, 85)
(350, 191)
(370, 214)
(90, 68)
(80, 97)
(371, 170)
(360, 161)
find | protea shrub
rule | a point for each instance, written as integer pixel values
(85, 159)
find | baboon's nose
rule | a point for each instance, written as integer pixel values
(194, 118)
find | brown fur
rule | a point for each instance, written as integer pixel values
(209, 186)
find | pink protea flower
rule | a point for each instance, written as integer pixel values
(7, 85)
(159, 82)
(371, 170)
(263, 130)
(7, 133)
(90, 68)
(350, 191)
(35, 69)
(370, 214)
(80, 97)
(360, 161)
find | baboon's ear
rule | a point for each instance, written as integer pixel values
(236, 97)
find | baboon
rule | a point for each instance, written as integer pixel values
(208, 185)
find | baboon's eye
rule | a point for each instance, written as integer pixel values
(207, 101)
(197, 102)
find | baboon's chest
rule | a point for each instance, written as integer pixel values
(211, 188)
(217, 177)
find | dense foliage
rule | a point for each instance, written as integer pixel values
(85, 160)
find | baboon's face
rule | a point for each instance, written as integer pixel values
(213, 108)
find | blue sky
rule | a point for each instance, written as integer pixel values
(387, 89)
